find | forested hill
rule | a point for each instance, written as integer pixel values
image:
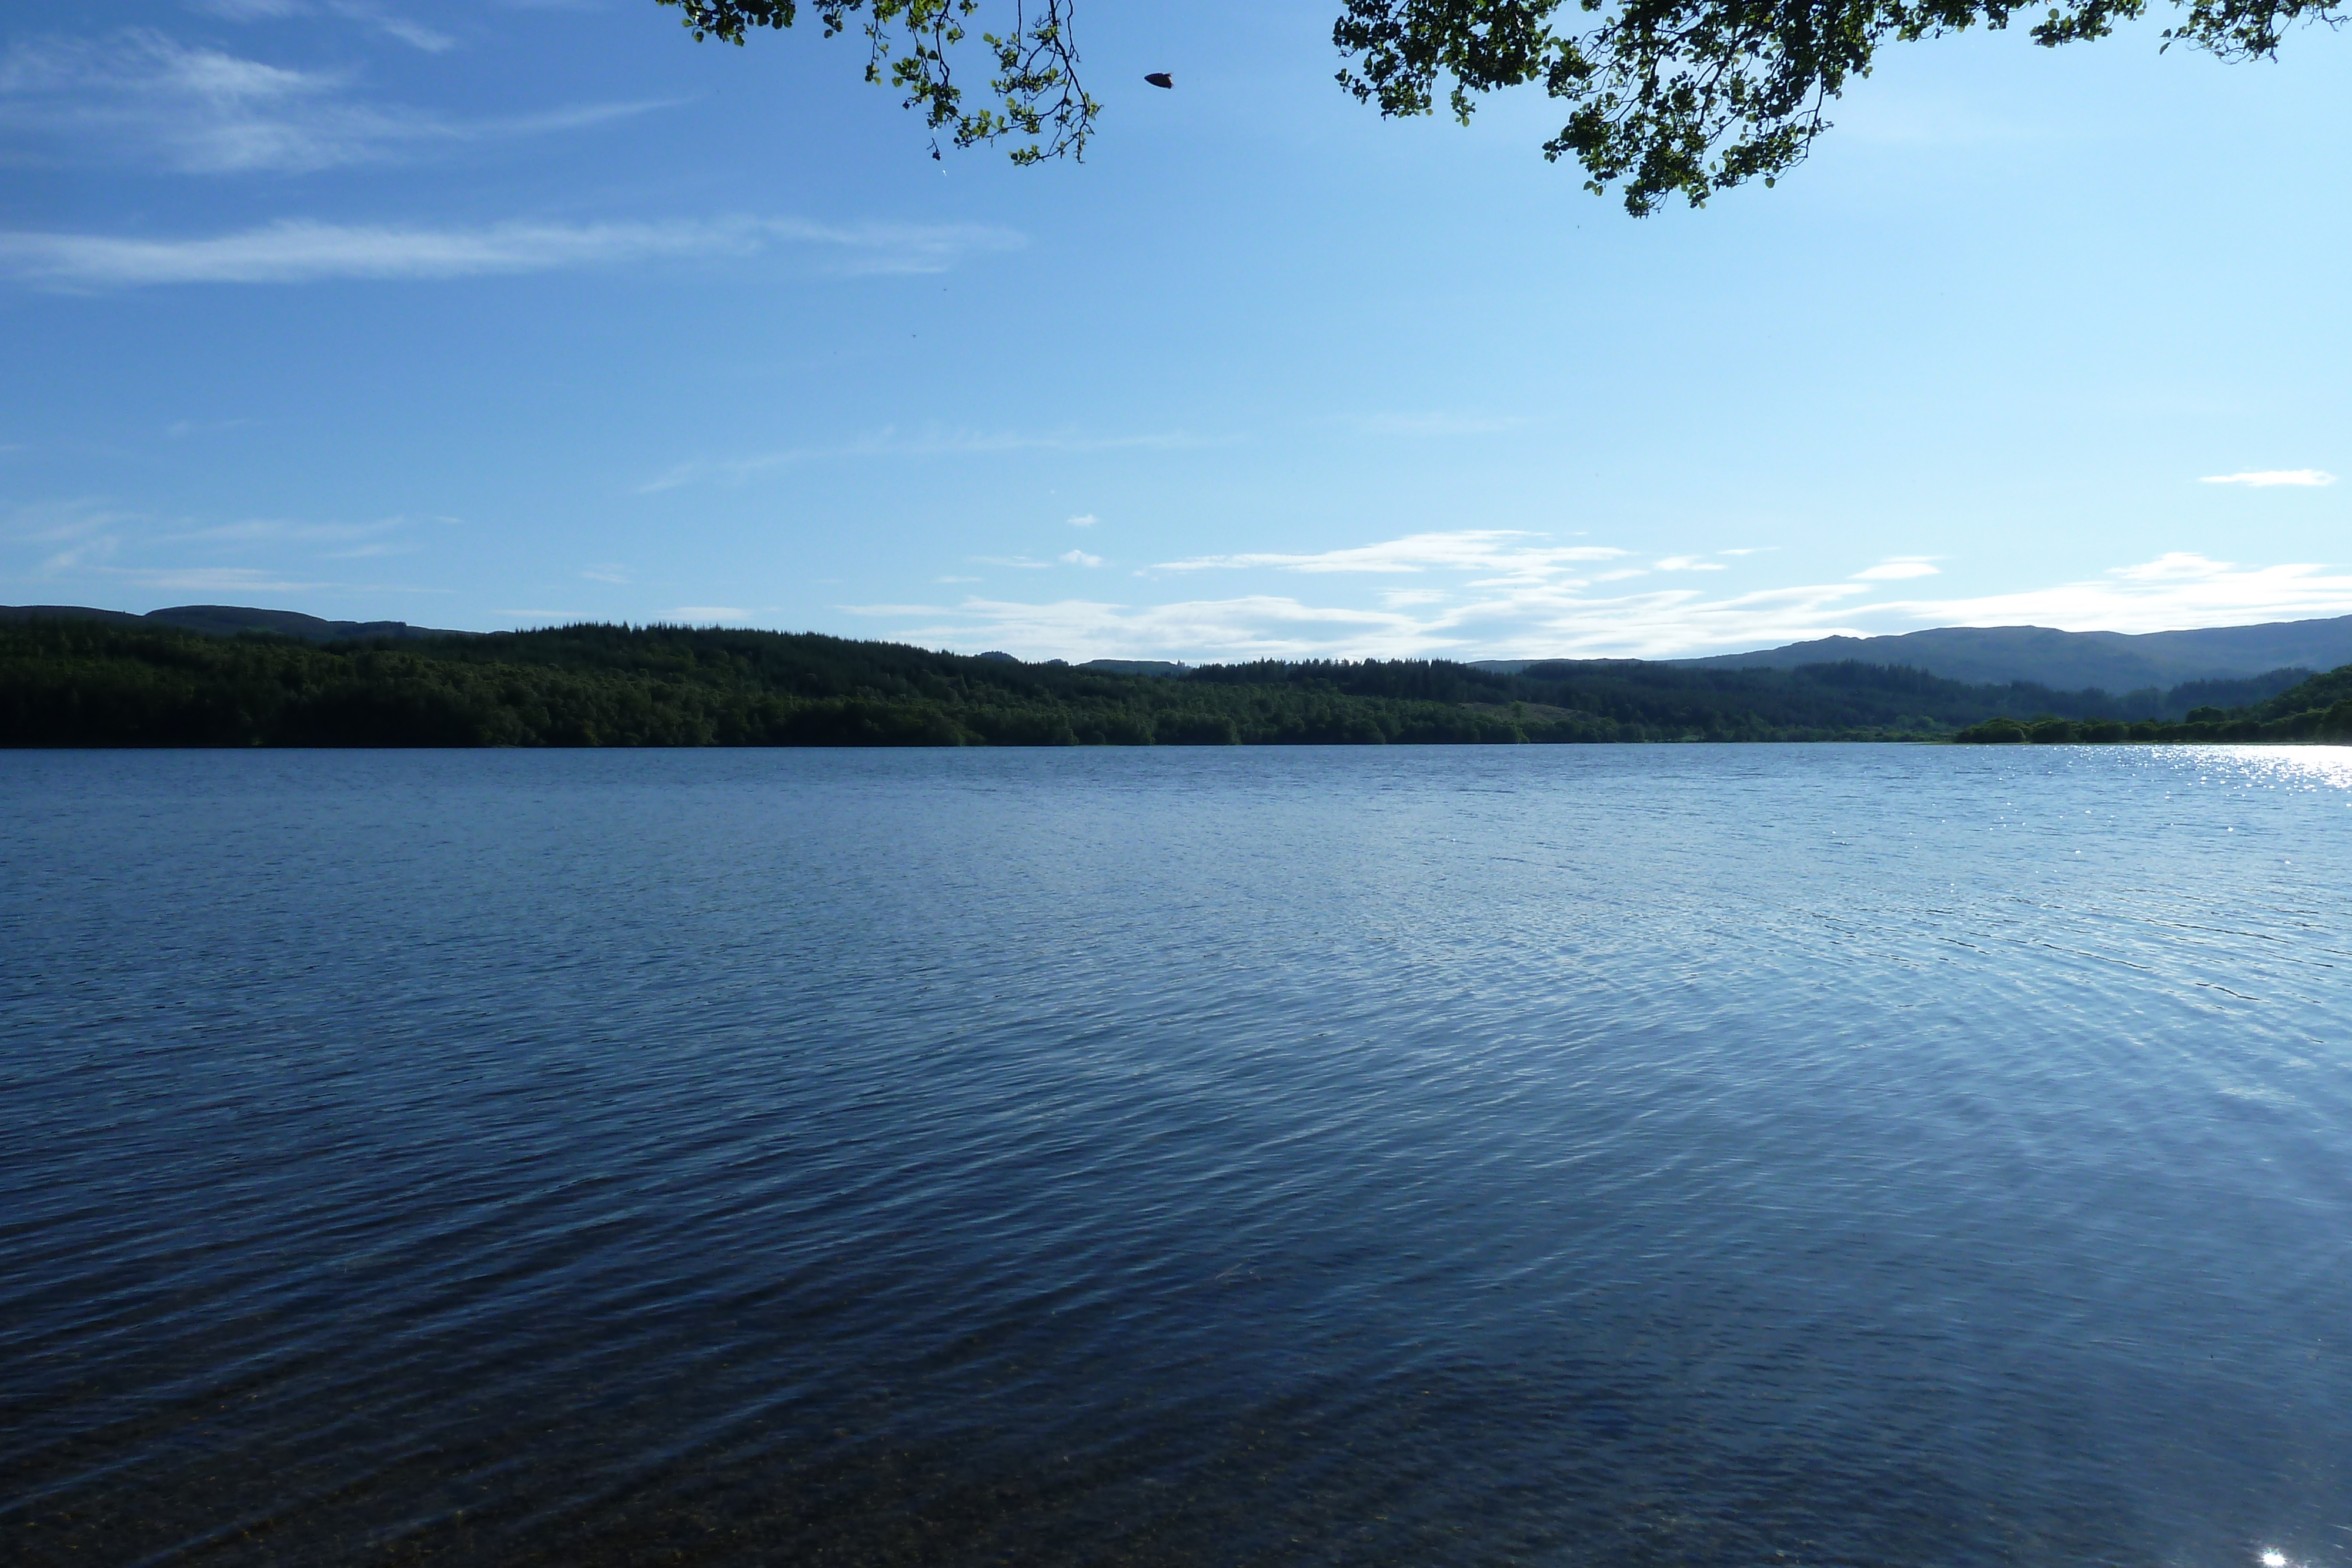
(94, 683)
(2319, 709)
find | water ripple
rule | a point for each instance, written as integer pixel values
(1646, 1154)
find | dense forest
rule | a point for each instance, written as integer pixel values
(2319, 709)
(65, 682)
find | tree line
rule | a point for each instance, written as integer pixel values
(2319, 709)
(88, 682)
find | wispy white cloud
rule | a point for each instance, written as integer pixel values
(1086, 520)
(890, 441)
(1255, 627)
(304, 252)
(66, 536)
(44, 522)
(2265, 478)
(1474, 549)
(144, 98)
(606, 573)
(2176, 592)
(1551, 606)
(1689, 563)
(1513, 592)
(101, 550)
(375, 18)
(250, 10)
(392, 24)
(222, 579)
(1896, 568)
(1079, 557)
(283, 531)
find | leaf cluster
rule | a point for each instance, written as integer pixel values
(1688, 97)
(1664, 98)
(1035, 92)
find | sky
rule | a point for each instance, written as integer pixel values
(494, 315)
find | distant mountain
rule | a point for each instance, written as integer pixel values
(228, 621)
(2115, 661)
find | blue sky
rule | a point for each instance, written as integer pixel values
(488, 316)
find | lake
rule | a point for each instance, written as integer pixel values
(1553, 1154)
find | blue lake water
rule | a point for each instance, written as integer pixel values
(1671, 1154)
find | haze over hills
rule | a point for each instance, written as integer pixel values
(2115, 661)
(227, 621)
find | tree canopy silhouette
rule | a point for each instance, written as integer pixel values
(1664, 98)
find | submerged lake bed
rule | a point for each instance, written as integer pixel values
(1641, 1154)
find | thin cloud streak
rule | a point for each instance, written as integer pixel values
(97, 551)
(891, 443)
(143, 97)
(1256, 627)
(251, 10)
(392, 24)
(2266, 478)
(223, 579)
(1472, 549)
(70, 534)
(299, 251)
(271, 530)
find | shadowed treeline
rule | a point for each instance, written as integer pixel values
(97, 683)
(2319, 709)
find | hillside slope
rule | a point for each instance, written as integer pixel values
(229, 621)
(2115, 661)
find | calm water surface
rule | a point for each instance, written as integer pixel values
(1708, 1156)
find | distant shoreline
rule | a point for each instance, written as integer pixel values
(69, 681)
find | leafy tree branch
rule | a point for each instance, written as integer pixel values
(1035, 91)
(1664, 98)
